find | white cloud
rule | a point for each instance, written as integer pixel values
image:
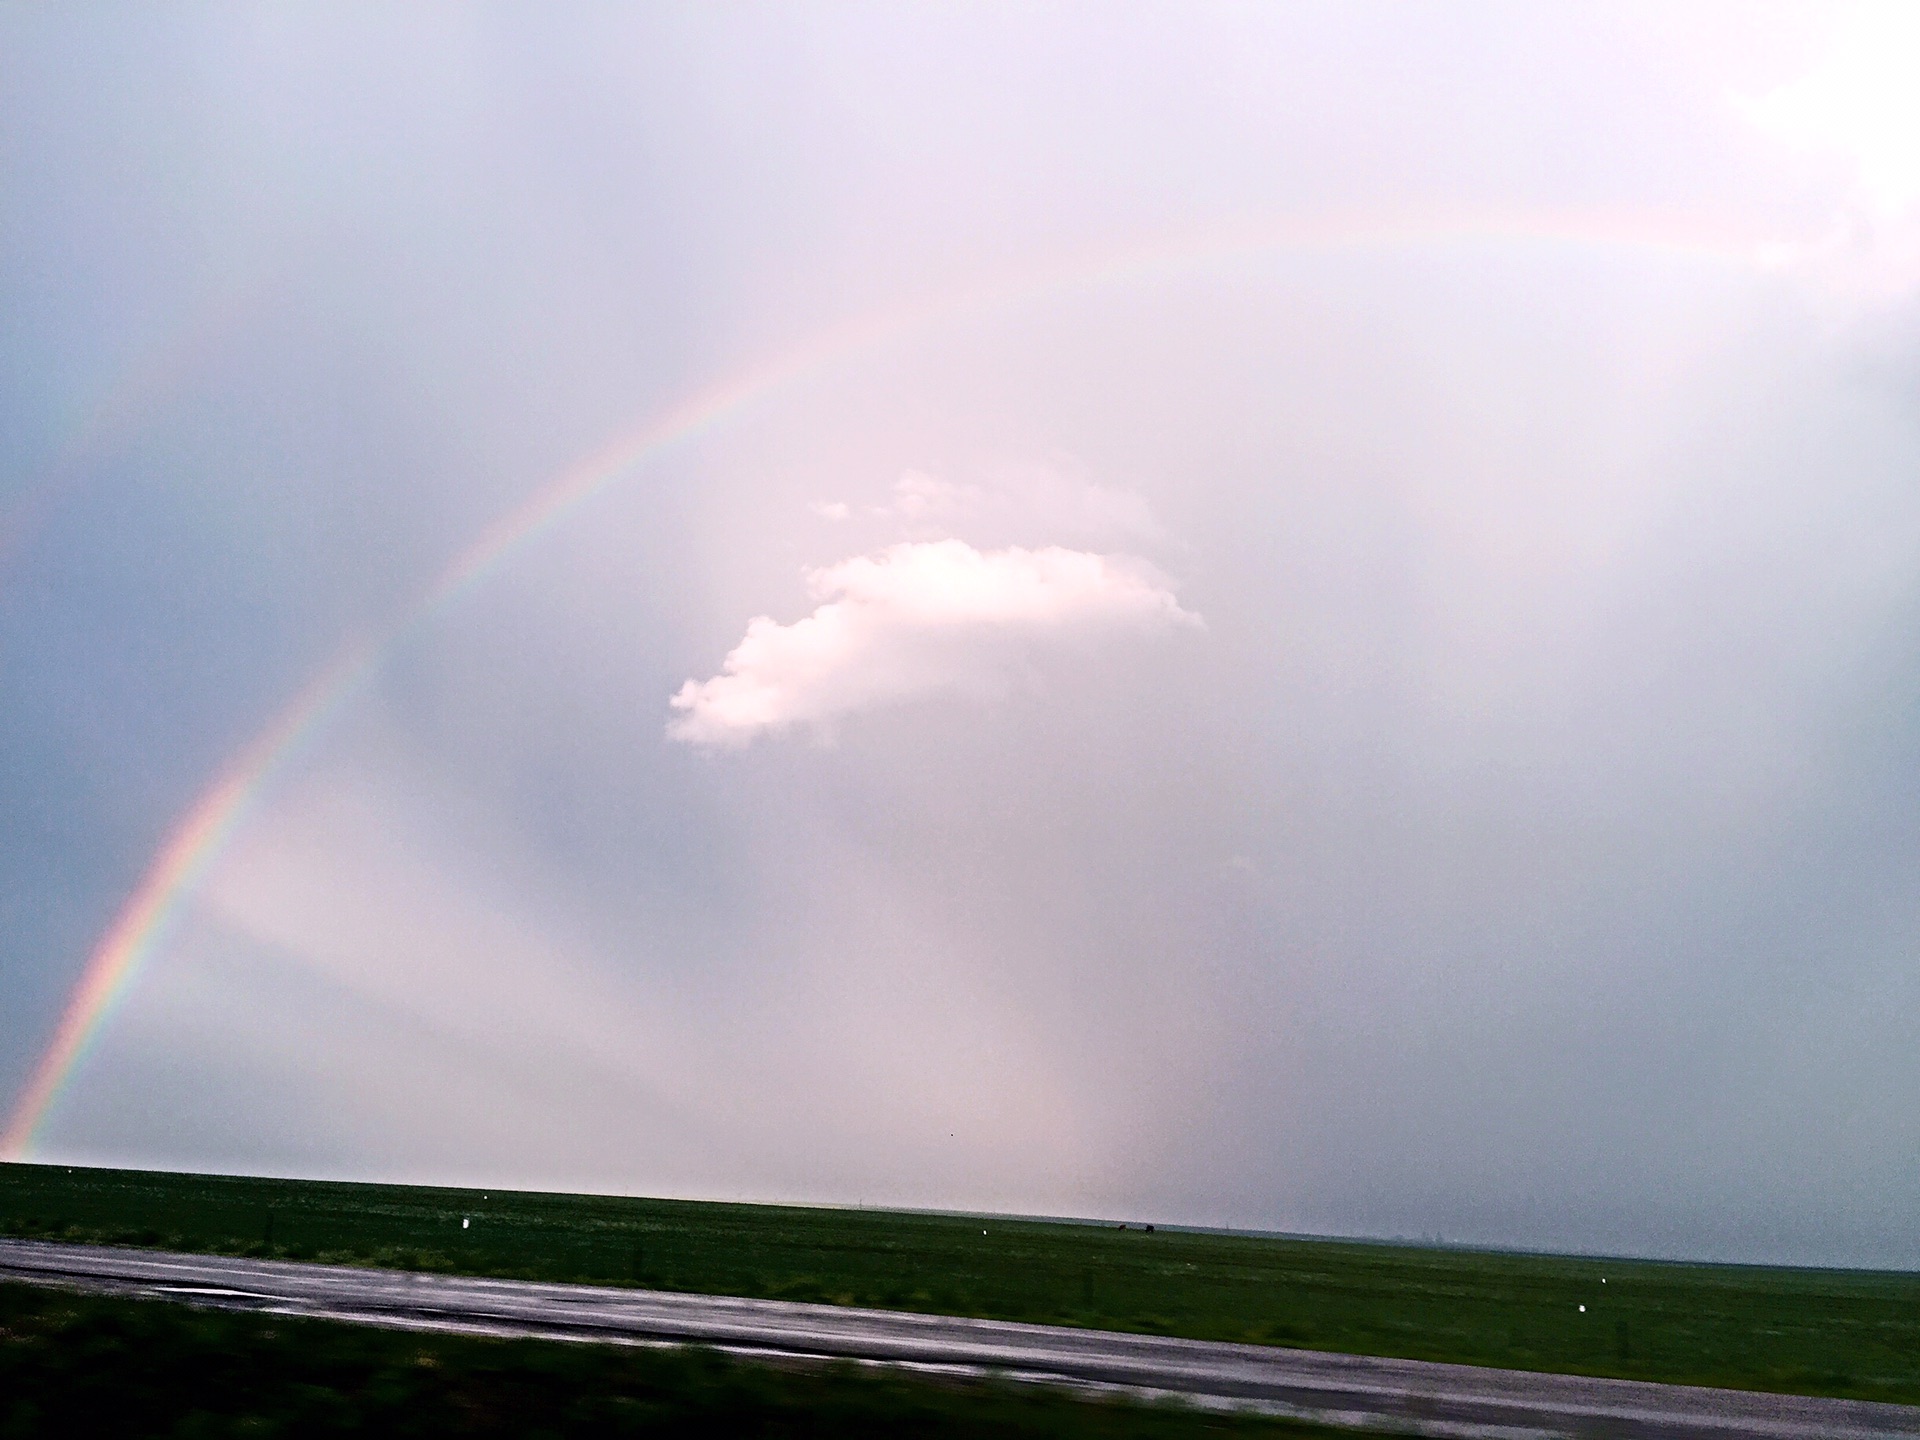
(835, 510)
(917, 619)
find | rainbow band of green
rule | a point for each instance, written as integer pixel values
(197, 842)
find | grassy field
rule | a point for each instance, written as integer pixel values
(1816, 1332)
(181, 1372)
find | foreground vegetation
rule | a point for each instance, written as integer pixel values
(1811, 1331)
(176, 1371)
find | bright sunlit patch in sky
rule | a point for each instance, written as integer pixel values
(1858, 108)
(1861, 103)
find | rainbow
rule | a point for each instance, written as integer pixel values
(143, 384)
(198, 840)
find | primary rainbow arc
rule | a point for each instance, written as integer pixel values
(198, 840)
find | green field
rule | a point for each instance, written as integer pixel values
(176, 1371)
(1814, 1331)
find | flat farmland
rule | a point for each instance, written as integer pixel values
(1827, 1332)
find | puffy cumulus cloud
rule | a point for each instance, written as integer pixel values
(916, 619)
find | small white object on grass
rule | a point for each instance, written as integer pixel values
(464, 1222)
(1583, 1309)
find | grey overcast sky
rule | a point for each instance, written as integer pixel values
(1301, 616)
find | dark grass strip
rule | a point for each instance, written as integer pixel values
(1847, 1333)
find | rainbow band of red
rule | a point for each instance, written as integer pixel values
(196, 842)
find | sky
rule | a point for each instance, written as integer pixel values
(1298, 617)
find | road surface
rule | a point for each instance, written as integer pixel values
(1398, 1396)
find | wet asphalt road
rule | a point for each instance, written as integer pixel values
(1399, 1396)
